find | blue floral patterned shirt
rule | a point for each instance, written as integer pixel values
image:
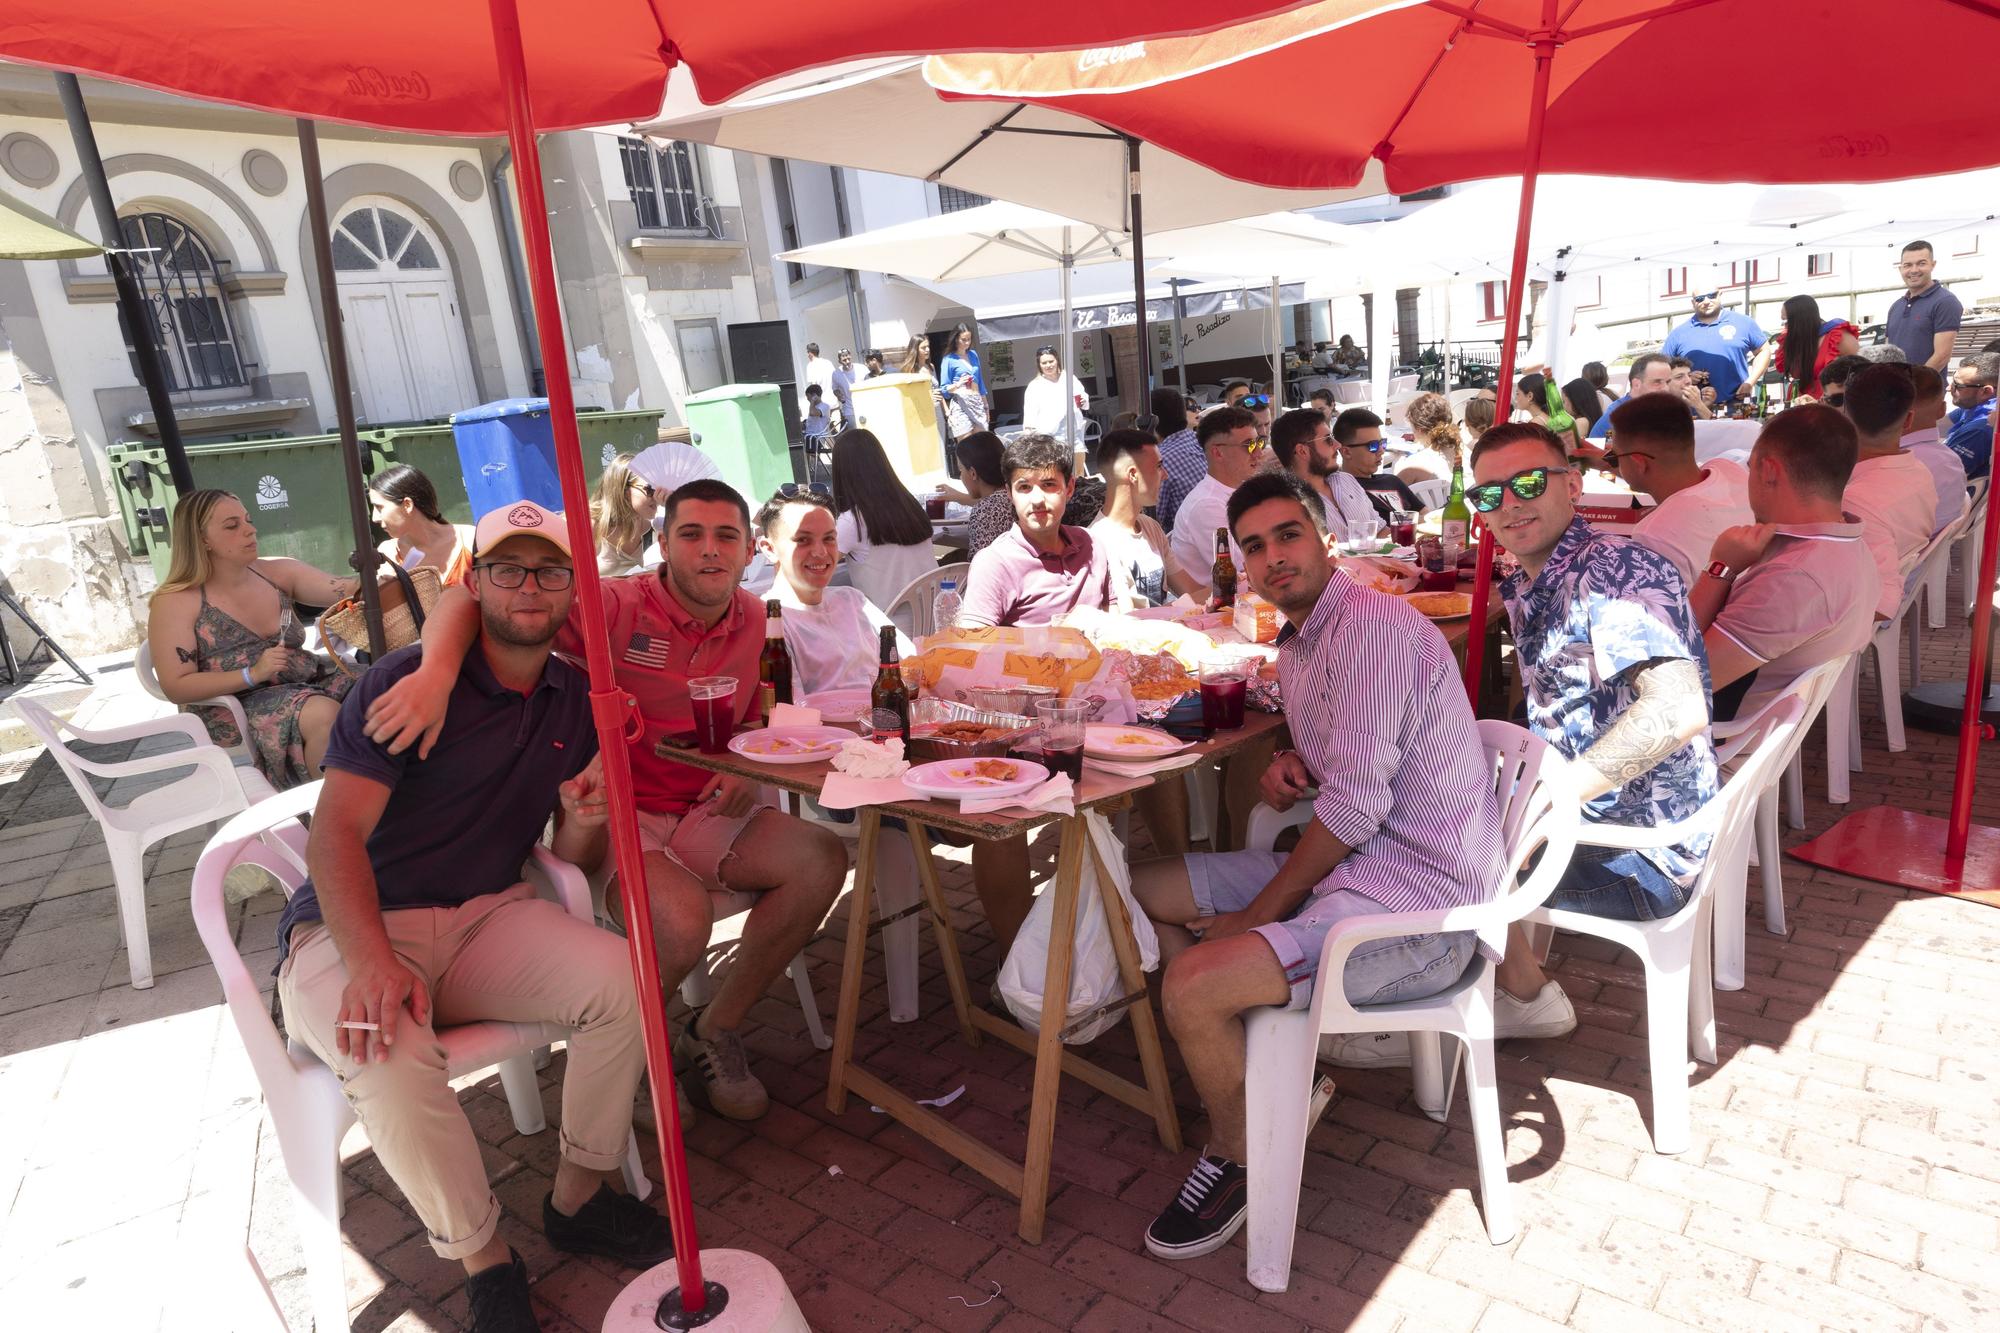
(1601, 606)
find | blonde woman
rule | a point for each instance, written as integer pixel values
(223, 622)
(621, 518)
(404, 504)
(1434, 440)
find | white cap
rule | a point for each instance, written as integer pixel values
(523, 518)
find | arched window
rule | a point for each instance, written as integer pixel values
(384, 242)
(186, 313)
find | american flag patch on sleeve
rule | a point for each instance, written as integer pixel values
(646, 651)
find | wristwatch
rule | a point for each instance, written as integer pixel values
(1717, 570)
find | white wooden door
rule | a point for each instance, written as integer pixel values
(405, 337)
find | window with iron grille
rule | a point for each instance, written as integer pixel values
(665, 184)
(951, 199)
(187, 316)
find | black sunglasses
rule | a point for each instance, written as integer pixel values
(1707, 296)
(645, 488)
(1527, 485)
(1372, 446)
(792, 490)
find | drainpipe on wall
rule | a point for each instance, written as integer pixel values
(517, 277)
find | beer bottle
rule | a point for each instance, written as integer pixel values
(1222, 576)
(1455, 519)
(774, 668)
(889, 700)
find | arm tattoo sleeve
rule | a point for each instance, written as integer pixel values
(1662, 719)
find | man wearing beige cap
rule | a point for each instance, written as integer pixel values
(415, 915)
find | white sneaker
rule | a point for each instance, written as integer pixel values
(1549, 1014)
(1366, 1050)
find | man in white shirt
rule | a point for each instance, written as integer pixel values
(845, 377)
(1303, 444)
(1143, 570)
(1653, 453)
(1891, 491)
(833, 634)
(1228, 437)
(1921, 439)
(819, 371)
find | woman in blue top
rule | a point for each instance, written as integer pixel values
(964, 386)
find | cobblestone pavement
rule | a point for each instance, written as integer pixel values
(1844, 1172)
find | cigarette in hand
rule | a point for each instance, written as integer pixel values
(357, 1025)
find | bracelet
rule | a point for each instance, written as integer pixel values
(248, 683)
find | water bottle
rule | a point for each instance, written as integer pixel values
(944, 610)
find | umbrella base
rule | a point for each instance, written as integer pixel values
(746, 1295)
(1940, 707)
(1901, 847)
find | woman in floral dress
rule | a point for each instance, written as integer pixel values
(222, 622)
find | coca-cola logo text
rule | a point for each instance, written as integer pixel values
(382, 86)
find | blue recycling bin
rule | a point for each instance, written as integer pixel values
(507, 451)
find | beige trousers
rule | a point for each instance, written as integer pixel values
(507, 956)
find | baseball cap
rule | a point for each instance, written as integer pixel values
(522, 518)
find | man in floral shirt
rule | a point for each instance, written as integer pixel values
(1616, 678)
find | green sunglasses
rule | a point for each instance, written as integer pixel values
(1527, 485)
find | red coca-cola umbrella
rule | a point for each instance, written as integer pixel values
(1450, 90)
(520, 67)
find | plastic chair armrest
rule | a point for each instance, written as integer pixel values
(1633, 838)
(570, 885)
(206, 754)
(132, 731)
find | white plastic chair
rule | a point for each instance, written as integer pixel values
(1935, 575)
(913, 607)
(1431, 494)
(1675, 951)
(1538, 811)
(215, 789)
(1812, 690)
(1926, 586)
(1888, 645)
(149, 681)
(1977, 493)
(303, 1096)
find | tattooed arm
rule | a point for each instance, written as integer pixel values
(1667, 714)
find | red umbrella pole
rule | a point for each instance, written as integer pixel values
(608, 704)
(1517, 275)
(1971, 728)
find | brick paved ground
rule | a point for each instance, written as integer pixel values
(1844, 1172)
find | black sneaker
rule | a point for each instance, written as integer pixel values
(1211, 1207)
(613, 1226)
(499, 1297)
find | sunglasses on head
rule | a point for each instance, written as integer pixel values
(1255, 401)
(793, 490)
(1527, 485)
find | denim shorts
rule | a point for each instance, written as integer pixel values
(1404, 967)
(1618, 883)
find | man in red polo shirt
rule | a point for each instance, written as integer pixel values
(702, 832)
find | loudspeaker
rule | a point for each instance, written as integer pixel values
(761, 353)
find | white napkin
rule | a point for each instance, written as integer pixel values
(792, 715)
(1142, 768)
(866, 773)
(1056, 796)
(842, 792)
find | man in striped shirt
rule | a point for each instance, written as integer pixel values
(1404, 820)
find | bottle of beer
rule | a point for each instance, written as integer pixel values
(889, 700)
(1455, 519)
(774, 668)
(1222, 576)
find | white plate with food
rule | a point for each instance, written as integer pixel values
(1106, 740)
(974, 779)
(790, 745)
(839, 705)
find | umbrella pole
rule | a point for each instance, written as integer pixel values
(1138, 275)
(1971, 727)
(608, 704)
(365, 557)
(131, 303)
(1517, 272)
(1068, 343)
(1277, 353)
(1180, 349)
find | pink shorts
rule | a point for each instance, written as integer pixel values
(699, 841)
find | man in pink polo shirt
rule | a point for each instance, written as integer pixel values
(702, 832)
(1040, 569)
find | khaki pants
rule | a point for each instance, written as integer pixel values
(507, 956)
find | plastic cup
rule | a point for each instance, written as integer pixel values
(1225, 682)
(1403, 527)
(714, 699)
(1062, 735)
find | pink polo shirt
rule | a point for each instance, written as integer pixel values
(656, 645)
(1012, 583)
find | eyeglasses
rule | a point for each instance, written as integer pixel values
(1372, 446)
(1527, 485)
(793, 490)
(1255, 401)
(549, 578)
(1707, 296)
(1958, 387)
(1611, 456)
(644, 488)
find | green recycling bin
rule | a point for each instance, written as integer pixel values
(433, 451)
(295, 490)
(742, 427)
(605, 435)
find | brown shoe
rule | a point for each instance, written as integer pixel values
(722, 1072)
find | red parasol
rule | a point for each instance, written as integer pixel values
(1452, 90)
(462, 67)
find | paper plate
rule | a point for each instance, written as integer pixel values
(790, 745)
(1441, 605)
(952, 780)
(839, 705)
(1106, 740)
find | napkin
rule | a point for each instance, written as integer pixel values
(792, 715)
(1057, 796)
(844, 792)
(866, 773)
(1142, 768)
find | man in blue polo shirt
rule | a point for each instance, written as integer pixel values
(1720, 342)
(1651, 373)
(416, 915)
(1971, 432)
(1924, 320)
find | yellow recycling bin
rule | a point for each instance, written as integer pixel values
(901, 412)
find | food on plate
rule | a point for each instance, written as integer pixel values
(1380, 573)
(972, 733)
(1153, 676)
(1441, 605)
(984, 771)
(1145, 637)
(1138, 739)
(789, 745)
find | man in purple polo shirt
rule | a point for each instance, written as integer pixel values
(416, 915)
(1040, 569)
(1924, 320)
(1404, 820)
